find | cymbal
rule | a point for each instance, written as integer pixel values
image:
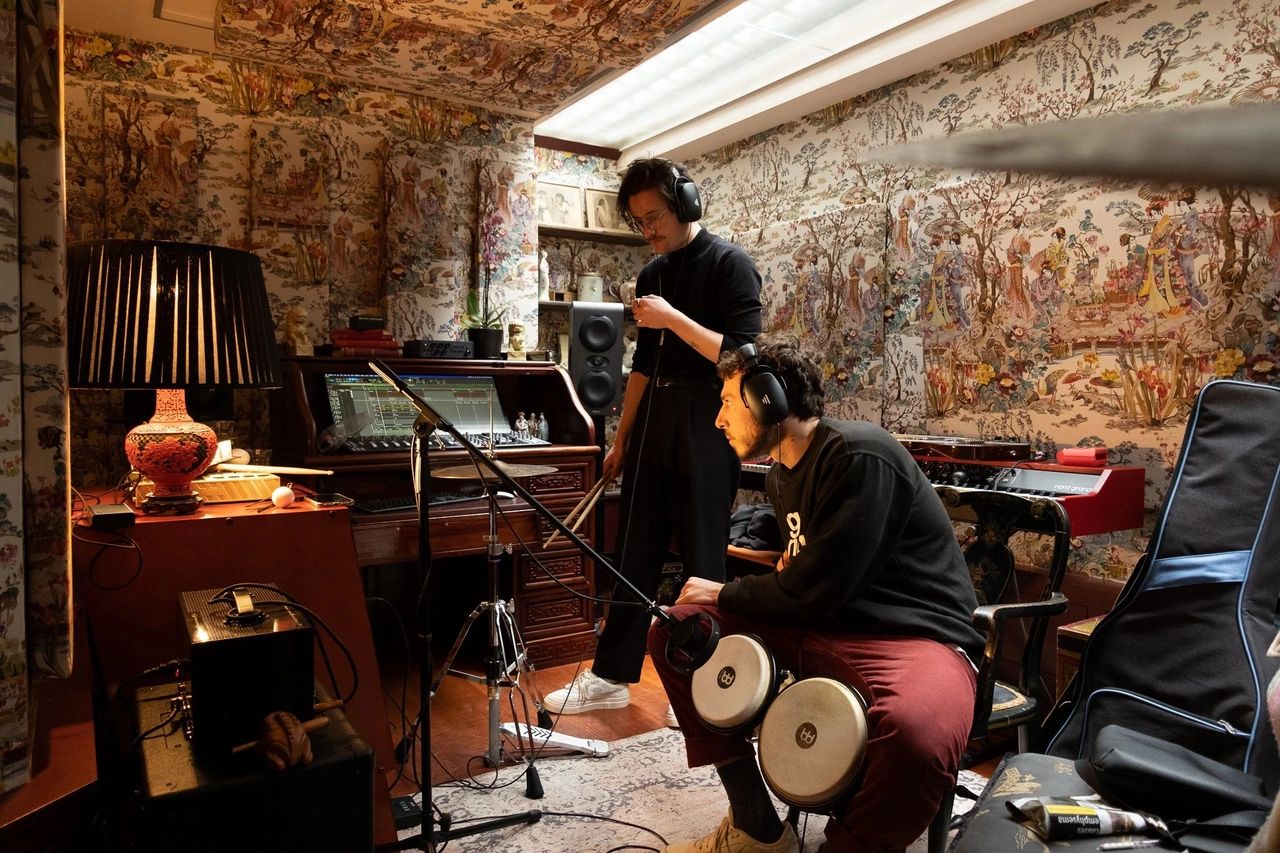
(470, 472)
(1202, 146)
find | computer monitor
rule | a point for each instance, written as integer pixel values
(368, 414)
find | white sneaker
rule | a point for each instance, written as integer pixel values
(587, 692)
(729, 839)
(672, 722)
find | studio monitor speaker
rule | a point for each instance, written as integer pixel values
(595, 355)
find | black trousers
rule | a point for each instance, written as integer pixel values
(679, 481)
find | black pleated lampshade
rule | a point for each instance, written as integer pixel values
(149, 314)
(168, 316)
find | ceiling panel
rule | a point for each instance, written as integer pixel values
(522, 56)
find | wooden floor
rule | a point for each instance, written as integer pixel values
(459, 718)
(460, 715)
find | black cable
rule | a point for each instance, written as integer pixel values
(177, 665)
(532, 555)
(355, 672)
(122, 541)
(173, 713)
(604, 819)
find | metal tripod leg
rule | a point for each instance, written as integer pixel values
(503, 634)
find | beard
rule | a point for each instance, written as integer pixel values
(759, 441)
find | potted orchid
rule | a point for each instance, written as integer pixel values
(482, 319)
(483, 323)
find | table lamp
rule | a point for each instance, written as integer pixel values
(143, 314)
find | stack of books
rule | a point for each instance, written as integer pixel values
(363, 342)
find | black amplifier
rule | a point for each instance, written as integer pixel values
(249, 656)
(238, 804)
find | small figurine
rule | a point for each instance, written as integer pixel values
(522, 426)
(293, 331)
(515, 342)
(544, 275)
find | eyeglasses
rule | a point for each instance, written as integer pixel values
(651, 221)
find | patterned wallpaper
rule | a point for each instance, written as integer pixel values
(525, 57)
(1067, 311)
(1063, 310)
(354, 198)
(35, 594)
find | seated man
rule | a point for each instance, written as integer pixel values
(871, 590)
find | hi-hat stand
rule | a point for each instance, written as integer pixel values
(692, 640)
(500, 670)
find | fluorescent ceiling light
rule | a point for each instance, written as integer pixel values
(753, 45)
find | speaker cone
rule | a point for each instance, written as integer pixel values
(597, 333)
(596, 388)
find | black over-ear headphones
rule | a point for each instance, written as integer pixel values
(763, 391)
(687, 201)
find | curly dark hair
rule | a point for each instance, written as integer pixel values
(649, 173)
(798, 370)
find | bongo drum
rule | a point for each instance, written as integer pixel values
(733, 689)
(812, 743)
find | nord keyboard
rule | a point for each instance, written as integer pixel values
(1097, 500)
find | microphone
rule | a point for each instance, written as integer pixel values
(692, 641)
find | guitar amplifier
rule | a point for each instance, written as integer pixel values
(238, 804)
(249, 657)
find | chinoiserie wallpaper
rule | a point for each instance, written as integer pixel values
(35, 595)
(522, 57)
(355, 198)
(1067, 311)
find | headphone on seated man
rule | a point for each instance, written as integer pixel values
(764, 391)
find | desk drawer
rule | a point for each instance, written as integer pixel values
(565, 566)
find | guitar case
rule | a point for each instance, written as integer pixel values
(1183, 654)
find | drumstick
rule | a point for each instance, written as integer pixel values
(583, 504)
(579, 512)
(271, 469)
(311, 725)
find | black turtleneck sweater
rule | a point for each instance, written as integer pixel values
(714, 283)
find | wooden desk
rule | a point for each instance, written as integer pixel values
(132, 613)
(557, 625)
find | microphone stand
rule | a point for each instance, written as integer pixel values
(429, 421)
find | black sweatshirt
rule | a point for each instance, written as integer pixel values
(872, 548)
(714, 283)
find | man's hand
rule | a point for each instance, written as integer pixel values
(699, 591)
(654, 312)
(612, 465)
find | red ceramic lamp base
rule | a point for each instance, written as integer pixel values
(170, 450)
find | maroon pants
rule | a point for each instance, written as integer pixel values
(919, 694)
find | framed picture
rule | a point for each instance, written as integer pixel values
(287, 170)
(559, 204)
(602, 212)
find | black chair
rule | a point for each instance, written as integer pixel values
(1001, 705)
(1172, 682)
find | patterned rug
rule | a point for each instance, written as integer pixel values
(643, 781)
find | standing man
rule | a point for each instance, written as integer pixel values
(871, 590)
(698, 298)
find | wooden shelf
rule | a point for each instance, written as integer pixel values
(556, 304)
(565, 233)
